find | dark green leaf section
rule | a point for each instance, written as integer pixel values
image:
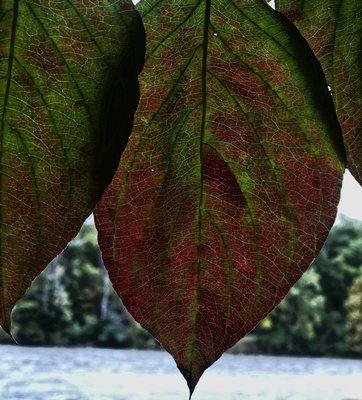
(68, 93)
(231, 179)
(333, 29)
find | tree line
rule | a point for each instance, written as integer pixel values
(72, 303)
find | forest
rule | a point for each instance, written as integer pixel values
(72, 303)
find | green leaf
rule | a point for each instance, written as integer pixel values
(68, 93)
(231, 178)
(333, 30)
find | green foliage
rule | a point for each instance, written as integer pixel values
(333, 28)
(322, 313)
(339, 263)
(73, 303)
(68, 93)
(354, 316)
(294, 326)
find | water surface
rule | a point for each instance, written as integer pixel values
(99, 374)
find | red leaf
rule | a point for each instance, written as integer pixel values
(230, 181)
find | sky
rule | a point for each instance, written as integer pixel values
(350, 204)
(351, 198)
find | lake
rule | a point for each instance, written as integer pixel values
(103, 374)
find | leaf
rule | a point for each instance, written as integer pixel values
(231, 178)
(68, 93)
(333, 30)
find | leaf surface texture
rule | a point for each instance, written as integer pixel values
(333, 29)
(68, 93)
(231, 179)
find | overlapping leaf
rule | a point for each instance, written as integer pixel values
(68, 93)
(230, 182)
(333, 29)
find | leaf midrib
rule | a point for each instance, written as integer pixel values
(202, 194)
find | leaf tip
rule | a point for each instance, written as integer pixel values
(190, 380)
(191, 389)
(13, 338)
(7, 329)
(5, 324)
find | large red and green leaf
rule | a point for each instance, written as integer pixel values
(231, 179)
(333, 30)
(68, 93)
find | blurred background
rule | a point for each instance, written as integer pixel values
(73, 303)
(81, 343)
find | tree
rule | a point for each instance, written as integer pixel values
(293, 327)
(339, 263)
(320, 315)
(72, 303)
(354, 316)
